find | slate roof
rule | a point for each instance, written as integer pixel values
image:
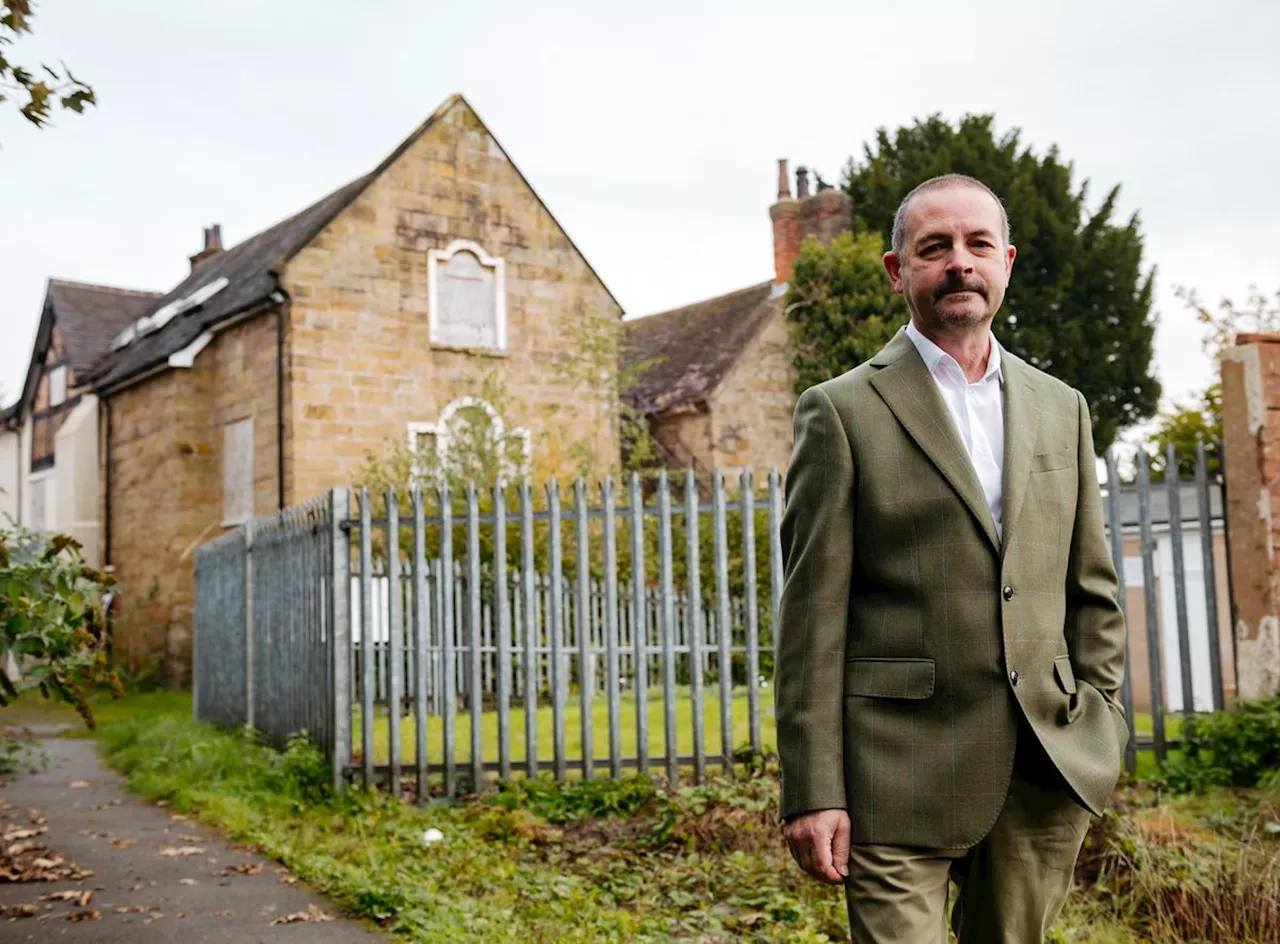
(689, 351)
(89, 316)
(248, 268)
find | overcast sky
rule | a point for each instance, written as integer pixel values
(651, 130)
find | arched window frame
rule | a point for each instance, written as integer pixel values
(440, 430)
(438, 257)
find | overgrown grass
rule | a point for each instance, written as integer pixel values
(534, 862)
(545, 728)
(601, 860)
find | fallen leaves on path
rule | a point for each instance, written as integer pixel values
(131, 909)
(16, 833)
(311, 914)
(243, 868)
(89, 914)
(79, 784)
(175, 851)
(30, 861)
(19, 911)
(81, 898)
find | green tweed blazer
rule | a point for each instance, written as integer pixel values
(910, 637)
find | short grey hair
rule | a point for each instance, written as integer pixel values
(899, 240)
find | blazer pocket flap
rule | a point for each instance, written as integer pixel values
(889, 678)
(1052, 461)
(1062, 671)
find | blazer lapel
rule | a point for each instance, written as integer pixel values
(905, 385)
(1019, 441)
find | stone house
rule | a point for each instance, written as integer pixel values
(436, 287)
(715, 380)
(49, 434)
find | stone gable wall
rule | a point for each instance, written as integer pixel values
(361, 363)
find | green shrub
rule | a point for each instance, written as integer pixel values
(1227, 748)
(53, 618)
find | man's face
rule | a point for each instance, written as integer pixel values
(954, 267)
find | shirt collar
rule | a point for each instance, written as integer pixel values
(932, 355)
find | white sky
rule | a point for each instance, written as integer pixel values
(651, 130)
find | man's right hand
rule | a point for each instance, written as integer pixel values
(819, 842)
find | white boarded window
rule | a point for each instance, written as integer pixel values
(466, 302)
(237, 472)
(57, 386)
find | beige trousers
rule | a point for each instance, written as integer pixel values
(1011, 885)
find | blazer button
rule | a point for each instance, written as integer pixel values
(1013, 677)
(1008, 593)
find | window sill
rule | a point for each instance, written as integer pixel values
(474, 351)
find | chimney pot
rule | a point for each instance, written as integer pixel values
(212, 244)
(802, 182)
(784, 180)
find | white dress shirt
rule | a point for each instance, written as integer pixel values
(977, 409)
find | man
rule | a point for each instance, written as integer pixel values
(950, 650)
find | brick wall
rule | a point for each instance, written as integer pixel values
(1251, 440)
(362, 366)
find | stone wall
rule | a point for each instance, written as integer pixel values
(362, 365)
(166, 484)
(751, 411)
(1251, 439)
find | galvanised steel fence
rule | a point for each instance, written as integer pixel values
(628, 631)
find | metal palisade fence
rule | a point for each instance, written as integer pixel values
(451, 637)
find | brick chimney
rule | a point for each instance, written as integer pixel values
(825, 214)
(212, 245)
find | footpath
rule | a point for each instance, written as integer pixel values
(83, 860)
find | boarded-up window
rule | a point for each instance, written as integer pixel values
(467, 307)
(237, 472)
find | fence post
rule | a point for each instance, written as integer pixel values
(586, 667)
(693, 623)
(639, 627)
(475, 697)
(502, 622)
(775, 548)
(248, 624)
(751, 604)
(556, 627)
(395, 642)
(1173, 487)
(667, 621)
(340, 635)
(1149, 605)
(724, 623)
(1210, 578)
(1116, 529)
(611, 628)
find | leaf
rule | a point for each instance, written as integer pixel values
(180, 851)
(312, 914)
